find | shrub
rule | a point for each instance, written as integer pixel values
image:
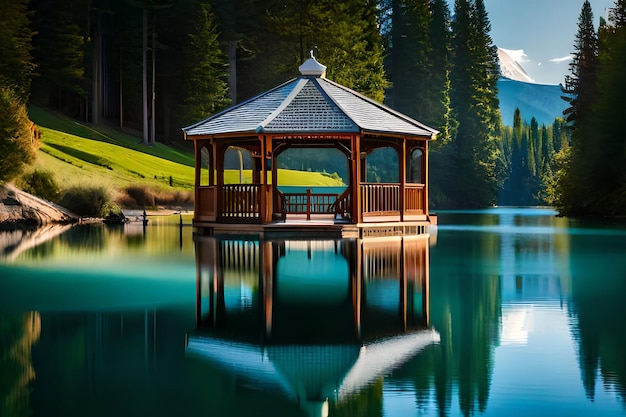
(42, 184)
(17, 139)
(87, 200)
(142, 195)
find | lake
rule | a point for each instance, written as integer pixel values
(502, 312)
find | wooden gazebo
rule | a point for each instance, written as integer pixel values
(311, 112)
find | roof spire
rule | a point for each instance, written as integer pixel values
(312, 68)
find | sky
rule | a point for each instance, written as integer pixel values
(541, 32)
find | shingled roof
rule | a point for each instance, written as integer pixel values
(309, 104)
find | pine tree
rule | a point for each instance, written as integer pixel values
(580, 84)
(343, 35)
(440, 71)
(16, 62)
(60, 52)
(576, 195)
(607, 159)
(474, 102)
(410, 58)
(206, 89)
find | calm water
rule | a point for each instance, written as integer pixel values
(505, 312)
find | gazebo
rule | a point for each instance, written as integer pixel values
(311, 112)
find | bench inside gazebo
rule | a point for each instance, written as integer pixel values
(309, 113)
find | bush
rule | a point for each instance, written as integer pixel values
(17, 140)
(87, 200)
(42, 184)
(142, 196)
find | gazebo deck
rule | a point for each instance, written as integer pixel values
(319, 226)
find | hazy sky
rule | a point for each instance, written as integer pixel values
(542, 30)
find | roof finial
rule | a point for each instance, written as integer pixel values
(311, 67)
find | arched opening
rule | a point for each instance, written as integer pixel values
(237, 166)
(414, 193)
(382, 165)
(380, 193)
(311, 181)
(205, 168)
(415, 168)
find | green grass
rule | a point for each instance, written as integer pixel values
(79, 154)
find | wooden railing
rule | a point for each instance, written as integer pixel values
(380, 199)
(241, 202)
(414, 198)
(307, 203)
(343, 205)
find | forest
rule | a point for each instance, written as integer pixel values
(155, 66)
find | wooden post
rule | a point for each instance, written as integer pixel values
(425, 171)
(355, 182)
(402, 178)
(219, 189)
(308, 204)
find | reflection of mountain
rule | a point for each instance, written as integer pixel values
(325, 319)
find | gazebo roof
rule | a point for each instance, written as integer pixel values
(309, 104)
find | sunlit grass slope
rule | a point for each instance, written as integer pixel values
(77, 153)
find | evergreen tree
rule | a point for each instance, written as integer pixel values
(580, 84)
(17, 146)
(410, 58)
(474, 102)
(16, 62)
(440, 71)
(607, 159)
(575, 191)
(343, 35)
(206, 89)
(59, 49)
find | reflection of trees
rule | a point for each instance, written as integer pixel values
(84, 237)
(465, 309)
(598, 289)
(17, 335)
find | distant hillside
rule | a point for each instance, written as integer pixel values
(543, 102)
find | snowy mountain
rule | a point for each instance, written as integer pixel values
(517, 91)
(510, 68)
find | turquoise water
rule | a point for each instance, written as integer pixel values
(504, 312)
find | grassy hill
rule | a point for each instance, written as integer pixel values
(79, 154)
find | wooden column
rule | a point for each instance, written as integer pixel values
(263, 180)
(355, 180)
(197, 162)
(402, 177)
(220, 150)
(425, 171)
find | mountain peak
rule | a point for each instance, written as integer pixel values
(510, 67)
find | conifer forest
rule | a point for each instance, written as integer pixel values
(155, 66)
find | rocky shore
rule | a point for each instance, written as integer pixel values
(22, 210)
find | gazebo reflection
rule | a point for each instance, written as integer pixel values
(311, 319)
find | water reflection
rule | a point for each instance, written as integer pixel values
(316, 321)
(526, 308)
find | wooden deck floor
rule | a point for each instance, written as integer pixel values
(320, 226)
